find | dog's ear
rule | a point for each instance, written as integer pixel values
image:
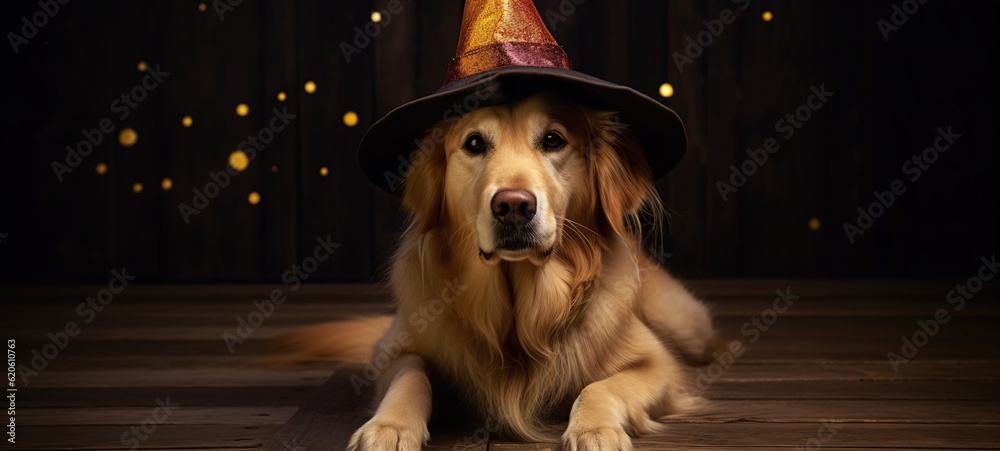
(623, 178)
(423, 186)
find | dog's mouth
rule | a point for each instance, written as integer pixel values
(515, 244)
(533, 254)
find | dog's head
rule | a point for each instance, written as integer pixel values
(521, 181)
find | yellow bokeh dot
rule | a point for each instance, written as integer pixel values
(101, 169)
(166, 184)
(202, 7)
(242, 109)
(350, 118)
(310, 87)
(254, 198)
(274, 169)
(666, 90)
(137, 188)
(323, 171)
(127, 137)
(238, 160)
(376, 17)
(767, 16)
(142, 66)
(282, 96)
(187, 121)
(814, 224)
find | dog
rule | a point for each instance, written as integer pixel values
(521, 283)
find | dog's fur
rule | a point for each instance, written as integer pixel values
(574, 318)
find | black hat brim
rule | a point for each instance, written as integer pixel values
(388, 144)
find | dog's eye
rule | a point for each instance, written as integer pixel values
(475, 144)
(553, 141)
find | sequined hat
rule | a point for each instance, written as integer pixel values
(505, 53)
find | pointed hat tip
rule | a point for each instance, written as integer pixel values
(503, 33)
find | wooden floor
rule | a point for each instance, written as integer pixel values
(817, 377)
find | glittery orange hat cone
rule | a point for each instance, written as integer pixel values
(503, 33)
(505, 53)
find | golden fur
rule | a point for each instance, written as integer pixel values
(581, 322)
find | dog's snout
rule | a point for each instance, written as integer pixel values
(514, 206)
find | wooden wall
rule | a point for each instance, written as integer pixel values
(889, 99)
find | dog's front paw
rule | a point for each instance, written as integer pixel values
(387, 435)
(607, 438)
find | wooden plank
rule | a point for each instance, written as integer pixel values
(781, 435)
(688, 184)
(339, 409)
(781, 59)
(208, 377)
(183, 414)
(438, 28)
(154, 348)
(761, 370)
(224, 291)
(188, 396)
(396, 53)
(155, 363)
(847, 411)
(332, 293)
(165, 436)
(279, 188)
(848, 307)
(722, 100)
(860, 390)
(342, 85)
(329, 419)
(849, 434)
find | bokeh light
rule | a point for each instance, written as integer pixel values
(350, 118)
(127, 137)
(238, 160)
(666, 90)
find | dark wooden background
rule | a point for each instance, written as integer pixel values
(890, 97)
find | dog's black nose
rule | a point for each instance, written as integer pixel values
(514, 206)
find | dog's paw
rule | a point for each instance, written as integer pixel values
(609, 438)
(386, 435)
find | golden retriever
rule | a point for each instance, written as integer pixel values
(521, 283)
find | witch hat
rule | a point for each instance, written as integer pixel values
(505, 53)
